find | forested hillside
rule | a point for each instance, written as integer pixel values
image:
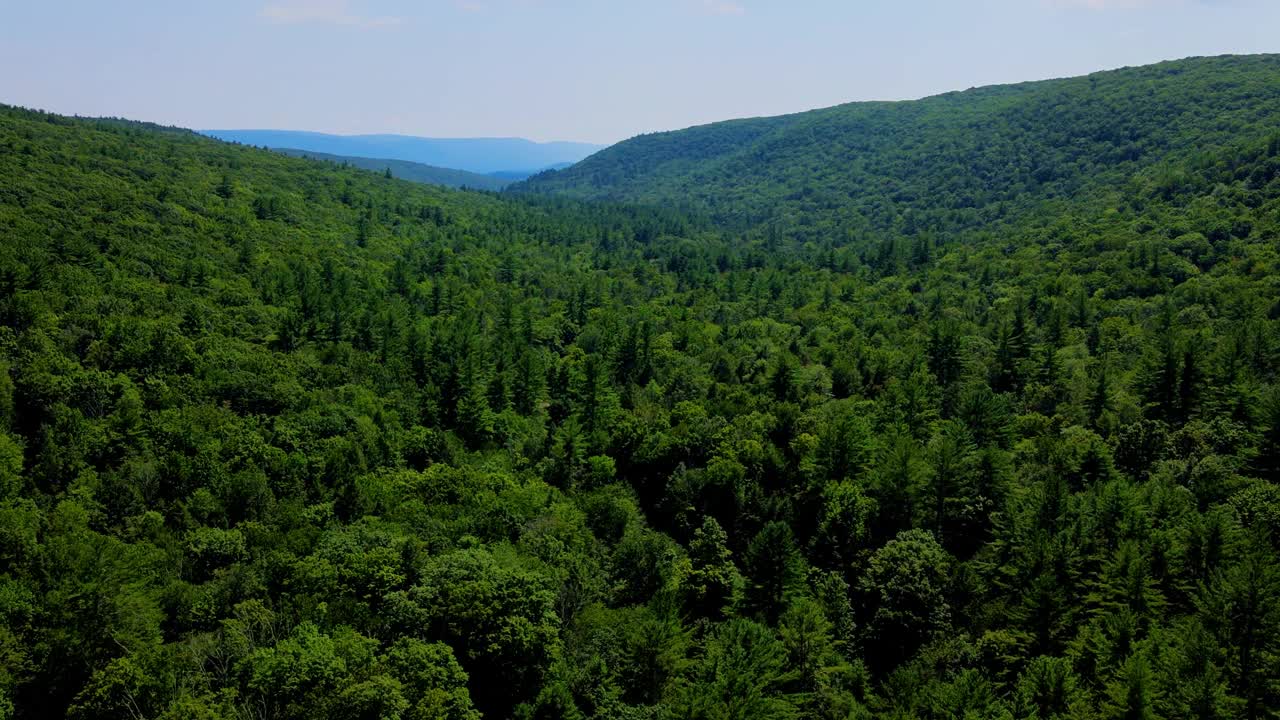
(963, 162)
(284, 439)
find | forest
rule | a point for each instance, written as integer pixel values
(288, 439)
(981, 161)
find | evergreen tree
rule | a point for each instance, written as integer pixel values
(714, 585)
(773, 567)
(1241, 608)
(740, 677)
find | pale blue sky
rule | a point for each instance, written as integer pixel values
(590, 70)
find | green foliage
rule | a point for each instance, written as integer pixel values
(500, 621)
(714, 584)
(739, 677)
(959, 162)
(1049, 689)
(10, 467)
(775, 565)
(991, 435)
(905, 591)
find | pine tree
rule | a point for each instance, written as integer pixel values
(475, 417)
(595, 403)
(1198, 686)
(944, 352)
(950, 455)
(1266, 464)
(1189, 386)
(806, 634)
(1100, 400)
(1132, 696)
(1241, 608)
(773, 566)
(1049, 690)
(898, 484)
(362, 231)
(714, 584)
(528, 382)
(1126, 582)
(741, 676)
(1163, 373)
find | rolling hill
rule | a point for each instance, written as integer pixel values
(960, 161)
(476, 155)
(411, 171)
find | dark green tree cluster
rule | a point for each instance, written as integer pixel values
(286, 439)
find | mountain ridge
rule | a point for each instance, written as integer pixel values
(869, 165)
(408, 170)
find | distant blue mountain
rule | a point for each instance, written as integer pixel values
(509, 156)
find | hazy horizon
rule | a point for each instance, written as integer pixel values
(304, 131)
(572, 70)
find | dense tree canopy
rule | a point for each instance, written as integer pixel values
(287, 439)
(913, 173)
